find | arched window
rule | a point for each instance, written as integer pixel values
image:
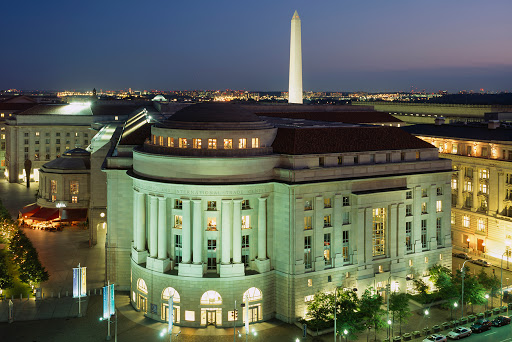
(171, 292)
(211, 297)
(253, 293)
(141, 286)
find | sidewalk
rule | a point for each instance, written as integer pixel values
(30, 309)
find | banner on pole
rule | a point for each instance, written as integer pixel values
(108, 301)
(79, 282)
(83, 283)
(171, 313)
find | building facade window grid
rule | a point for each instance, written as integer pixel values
(379, 232)
(307, 252)
(424, 244)
(408, 236)
(345, 246)
(327, 249)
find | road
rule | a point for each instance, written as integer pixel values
(501, 334)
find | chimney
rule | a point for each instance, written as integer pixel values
(439, 121)
(493, 124)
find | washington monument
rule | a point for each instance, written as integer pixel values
(295, 85)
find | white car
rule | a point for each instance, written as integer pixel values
(459, 332)
(435, 338)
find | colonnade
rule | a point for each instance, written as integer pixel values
(152, 231)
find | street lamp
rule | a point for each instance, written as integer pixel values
(487, 301)
(467, 240)
(345, 333)
(454, 306)
(389, 328)
(462, 300)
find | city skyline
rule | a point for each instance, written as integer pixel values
(368, 46)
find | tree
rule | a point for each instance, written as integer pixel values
(399, 307)
(474, 292)
(4, 213)
(26, 258)
(422, 288)
(347, 313)
(6, 279)
(442, 278)
(370, 306)
(490, 283)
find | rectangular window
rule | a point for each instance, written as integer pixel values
(454, 148)
(242, 143)
(246, 222)
(211, 224)
(468, 186)
(424, 193)
(452, 217)
(345, 246)
(481, 225)
(53, 186)
(74, 199)
(196, 143)
(57, 141)
(307, 252)
(212, 205)
(245, 205)
(245, 250)
(26, 149)
(484, 173)
(379, 232)
(255, 142)
(73, 187)
(212, 144)
(170, 142)
(327, 202)
(454, 184)
(424, 234)
(346, 217)
(424, 208)
(177, 249)
(408, 210)
(321, 161)
(178, 204)
(408, 195)
(439, 191)
(327, 221)
(439, 206)
(228, 144)
(161, 140)
(408, 236)
(340, 160)
(308, 204)
(47, 141)
(26, 141)
(327, 249)
(54, 198)
(346, 201)
(37, 134)
(211, 254)
(439, 231)
(356, 159)
(307, 223)
(182, 143)
(483, 188)
(178, 221)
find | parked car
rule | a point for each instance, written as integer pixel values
(481, 325)
(462, 255)
(459, 332)
(481, 262)
(500, 321)
(435, 338)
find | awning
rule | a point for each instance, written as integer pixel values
(73, 215)
(29, 210)
(45, 214)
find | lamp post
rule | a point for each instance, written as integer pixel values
(389, 328)
(345, 333)
(487, 301)
(335, 309)
(501, 271)
(462, 300)
(454, 306)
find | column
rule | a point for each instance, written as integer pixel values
(197, 233)
(460, 187)
(226, 232)
(393, 231)
(476, 186)
(493, 189)
(361, 237)
(401, 230)
(237, 231)
(368, 231)
(153, 226)
(162, 229)
(262, 228)
(186, 238)
(141, 221)
(135, 219)
(416, 220)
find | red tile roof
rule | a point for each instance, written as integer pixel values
(346, 116)
(344, 139)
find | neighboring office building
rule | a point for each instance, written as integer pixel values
(481, 154)
(219, 205)
(44, 132)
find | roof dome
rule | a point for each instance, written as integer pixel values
(75, 159)
(215, 116)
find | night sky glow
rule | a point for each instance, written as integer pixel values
(369, 45)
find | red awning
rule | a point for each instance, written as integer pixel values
(74, 215)
(29, 210)
(45, 214)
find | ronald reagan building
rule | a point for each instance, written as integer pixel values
(216, 204)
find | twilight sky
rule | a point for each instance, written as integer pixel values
(368, 45)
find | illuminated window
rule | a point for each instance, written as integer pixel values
(211, 298)
(161, 140)
(454, 148)
(178, 221)
(182, 142)
(54, 198)
(53, 186)
(468, 186)
(141, 286)
(310, 282)
(211, 254)
(242, 143)
(255, 142)
(309, 298)
(345, 246)
(74, 199)
(3, 136)
(327, 202)
(481, 225)
(246, 250)
(37, 134)
(170, 142)
(308, 204)
(212, 205)
(196, 143)
(253, 294)
(327, 221)
(212, 224)
(410, 263)
(245, 205)
(327, 249)
(484, 173)
(408, 236)
(439, 206)
(153, 136)
(228, 144)
(454, 184)
(452, 217)
(178, 204)
(73, 187)
(169, 292)
(246, 222)
(379, 232)
(190, 316)
(483, 188)
(465, 221)
(307, 255)
(212, 144)
(178, 245)
(423, 234)
(424, 208)
(424, 193)
(307, 223)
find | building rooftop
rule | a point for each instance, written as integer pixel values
(75, 159)
(79, 109)
(472, 131)
(342, 116)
